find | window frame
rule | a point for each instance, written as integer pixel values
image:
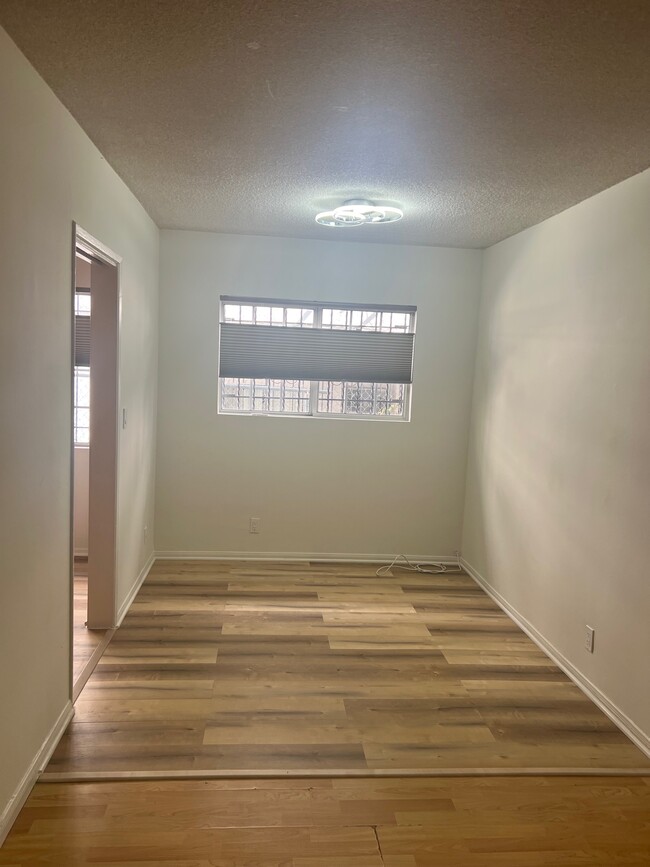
(80, 372)
(318, 307)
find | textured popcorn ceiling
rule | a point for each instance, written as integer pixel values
(477, 117)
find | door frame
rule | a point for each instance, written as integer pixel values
(101, 255)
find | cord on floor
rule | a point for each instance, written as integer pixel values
(422, 568)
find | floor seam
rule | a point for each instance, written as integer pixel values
(381, 854)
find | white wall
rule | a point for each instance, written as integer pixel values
(558, 495)
(319, 485)
(50, 175)
(80, 509)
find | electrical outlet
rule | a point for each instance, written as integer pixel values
(123, 417)
(589, 638)
(146, 532)
(254, 525)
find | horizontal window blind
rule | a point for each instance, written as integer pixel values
(82, 341)
(261, 352)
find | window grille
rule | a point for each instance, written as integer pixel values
(283, 396)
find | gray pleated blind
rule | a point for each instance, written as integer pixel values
(269, 352)
(82, 341)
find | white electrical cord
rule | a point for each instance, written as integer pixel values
(423, 569)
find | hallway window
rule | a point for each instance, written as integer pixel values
(81, 406)
(81, 389)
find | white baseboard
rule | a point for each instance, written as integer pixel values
(640, 738)
(39, 762)
(293, 556)
(124, 607)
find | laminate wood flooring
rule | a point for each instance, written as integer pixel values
(87, 644)
(498, 822)
(298, 667)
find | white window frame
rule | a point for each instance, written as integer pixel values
(79, 373)
(318, 307)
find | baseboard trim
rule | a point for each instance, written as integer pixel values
(301, 557)
(335, 773)
(124, 607)
(39, 762)
(620, 719)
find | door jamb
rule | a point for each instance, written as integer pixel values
(84, 242)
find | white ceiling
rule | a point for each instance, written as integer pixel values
(478, 117)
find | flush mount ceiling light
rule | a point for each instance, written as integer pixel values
(359, 212)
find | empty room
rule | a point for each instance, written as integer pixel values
(325, 444)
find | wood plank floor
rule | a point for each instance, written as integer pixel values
(499, 822)
(312, 667)
(87, 644)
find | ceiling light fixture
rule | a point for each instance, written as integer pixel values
(359, 212)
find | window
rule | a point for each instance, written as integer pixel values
(81, 406)
(81, 396)
(307, 359)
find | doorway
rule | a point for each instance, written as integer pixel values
(95, 388)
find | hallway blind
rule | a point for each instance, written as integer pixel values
(82, 341)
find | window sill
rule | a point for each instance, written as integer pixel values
(320, 417)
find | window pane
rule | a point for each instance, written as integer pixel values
(300, 317)
(293, 316)
(369, 321)
(231, 312)
(82, 303)
(366, 320)
(81, 405)
(262, 315)
(268, 314)
(282, 396)
(361, 398)
(82, 436)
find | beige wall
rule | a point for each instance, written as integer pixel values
(320, 486)
(50, 175)
(80, 508)
(82, 272)
(558, 492)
